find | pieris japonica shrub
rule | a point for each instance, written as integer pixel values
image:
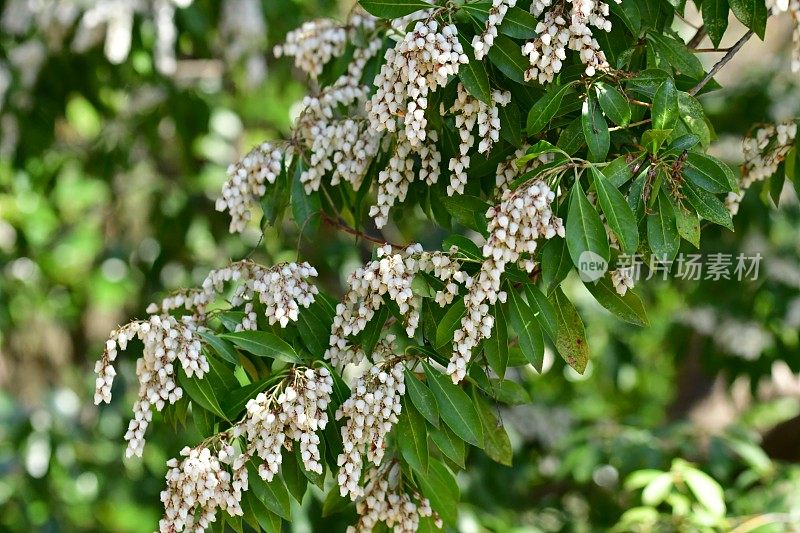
(538, 138)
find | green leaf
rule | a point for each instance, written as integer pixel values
(413, 438)
(449, 444)
(542, 309)
(595, 129)
(752, 13)
(653, 139)
(556, 264)
(236, 400)
(221, 347)
(292, 473)
(527, 329)
(692, 114)
(334, 502)
(678, 55)
(629, 307)
(519, 24)
(498, 445)
(450, 323)
(305, 207)
(440, 487)
(314, 326)
(373, 329)
(510, 124)
(273, 494)
(707, 491)
(709, 173)
(475, 79)
(707, 205)
(508, 392)
(688, 225)
(662, 232)
(570, 336)
(585, 230)
(665, 106)
(619, 216)
(256, 511)
(455, 407)
(506, 55)
(495, 348)
(467, 210)
(613, 103)
(201, 392)
(657, 490)
(263, 344)
(571, 138)
(422, 398)
(545, 108)
(715, 19)
(392, 9)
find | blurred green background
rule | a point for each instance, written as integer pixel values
(110, 161)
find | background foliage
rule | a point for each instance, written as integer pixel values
(106, 201)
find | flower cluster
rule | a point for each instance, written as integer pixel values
(420, 63)
(282, 289)
(391, 274)
(622, 280)
(165, 339)
(277, 418)
(371, 412)
(314, 44)
(763, 153)
(483, 42)
(394, 180)
(793, 7)
(566, 26)
(468, 111)
(509, 170)
(247, 183)
(200, 484)
(383, 501)
(522, 217)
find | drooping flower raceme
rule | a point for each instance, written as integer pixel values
(484, 41)
(764, 151)
(469, 111)
(295, 413)
(371, 412)
(508, 170)
(314, 44)
(420, 63)
(567, 26)
(198, 485)
(522, 217)
(390, 275)
(247, 183)
(167, 342)
(384, 500)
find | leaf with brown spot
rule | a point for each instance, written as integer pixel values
(570, 334)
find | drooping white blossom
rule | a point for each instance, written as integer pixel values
(509, 170)
(384, 500)
(622, 280)
(515, 225)
(314, 44)
(167, 342)
(484, 41)
(247, 182)
(200, 484)
(469, 111)
(294, 412)
(371, 412)
(420, 63)
(283, 289)
(566, 26)
(764, 151)
(390, 275)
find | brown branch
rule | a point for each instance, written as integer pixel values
(341, 226)
(722, 62)
(698, 37)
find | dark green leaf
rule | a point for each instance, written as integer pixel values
(455, 407)
(273, 494)
(570, 336)
(629, 307)
(715, 19)
(545, 108)
(542, 309)
(413, 438)
(263, 344)
(662, 232)
(506, 55)
(707, 205)
(449, 444)
(619, 215)
(613, 103)
(392, 9)
(498, 445)
(585, 230)
(595, 129)
(440, 487)
(678, 55)
(450, 323)
(665, 106)
(201, 392)
(305, 207)
(752, 13)
(556, 264)
(527, 329)
(688, 225)
(496, 347)
(222, 348)
(476, 81)
(709, 173)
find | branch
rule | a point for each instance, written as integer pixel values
(341, 226)
(698, 37)
(722, 62)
